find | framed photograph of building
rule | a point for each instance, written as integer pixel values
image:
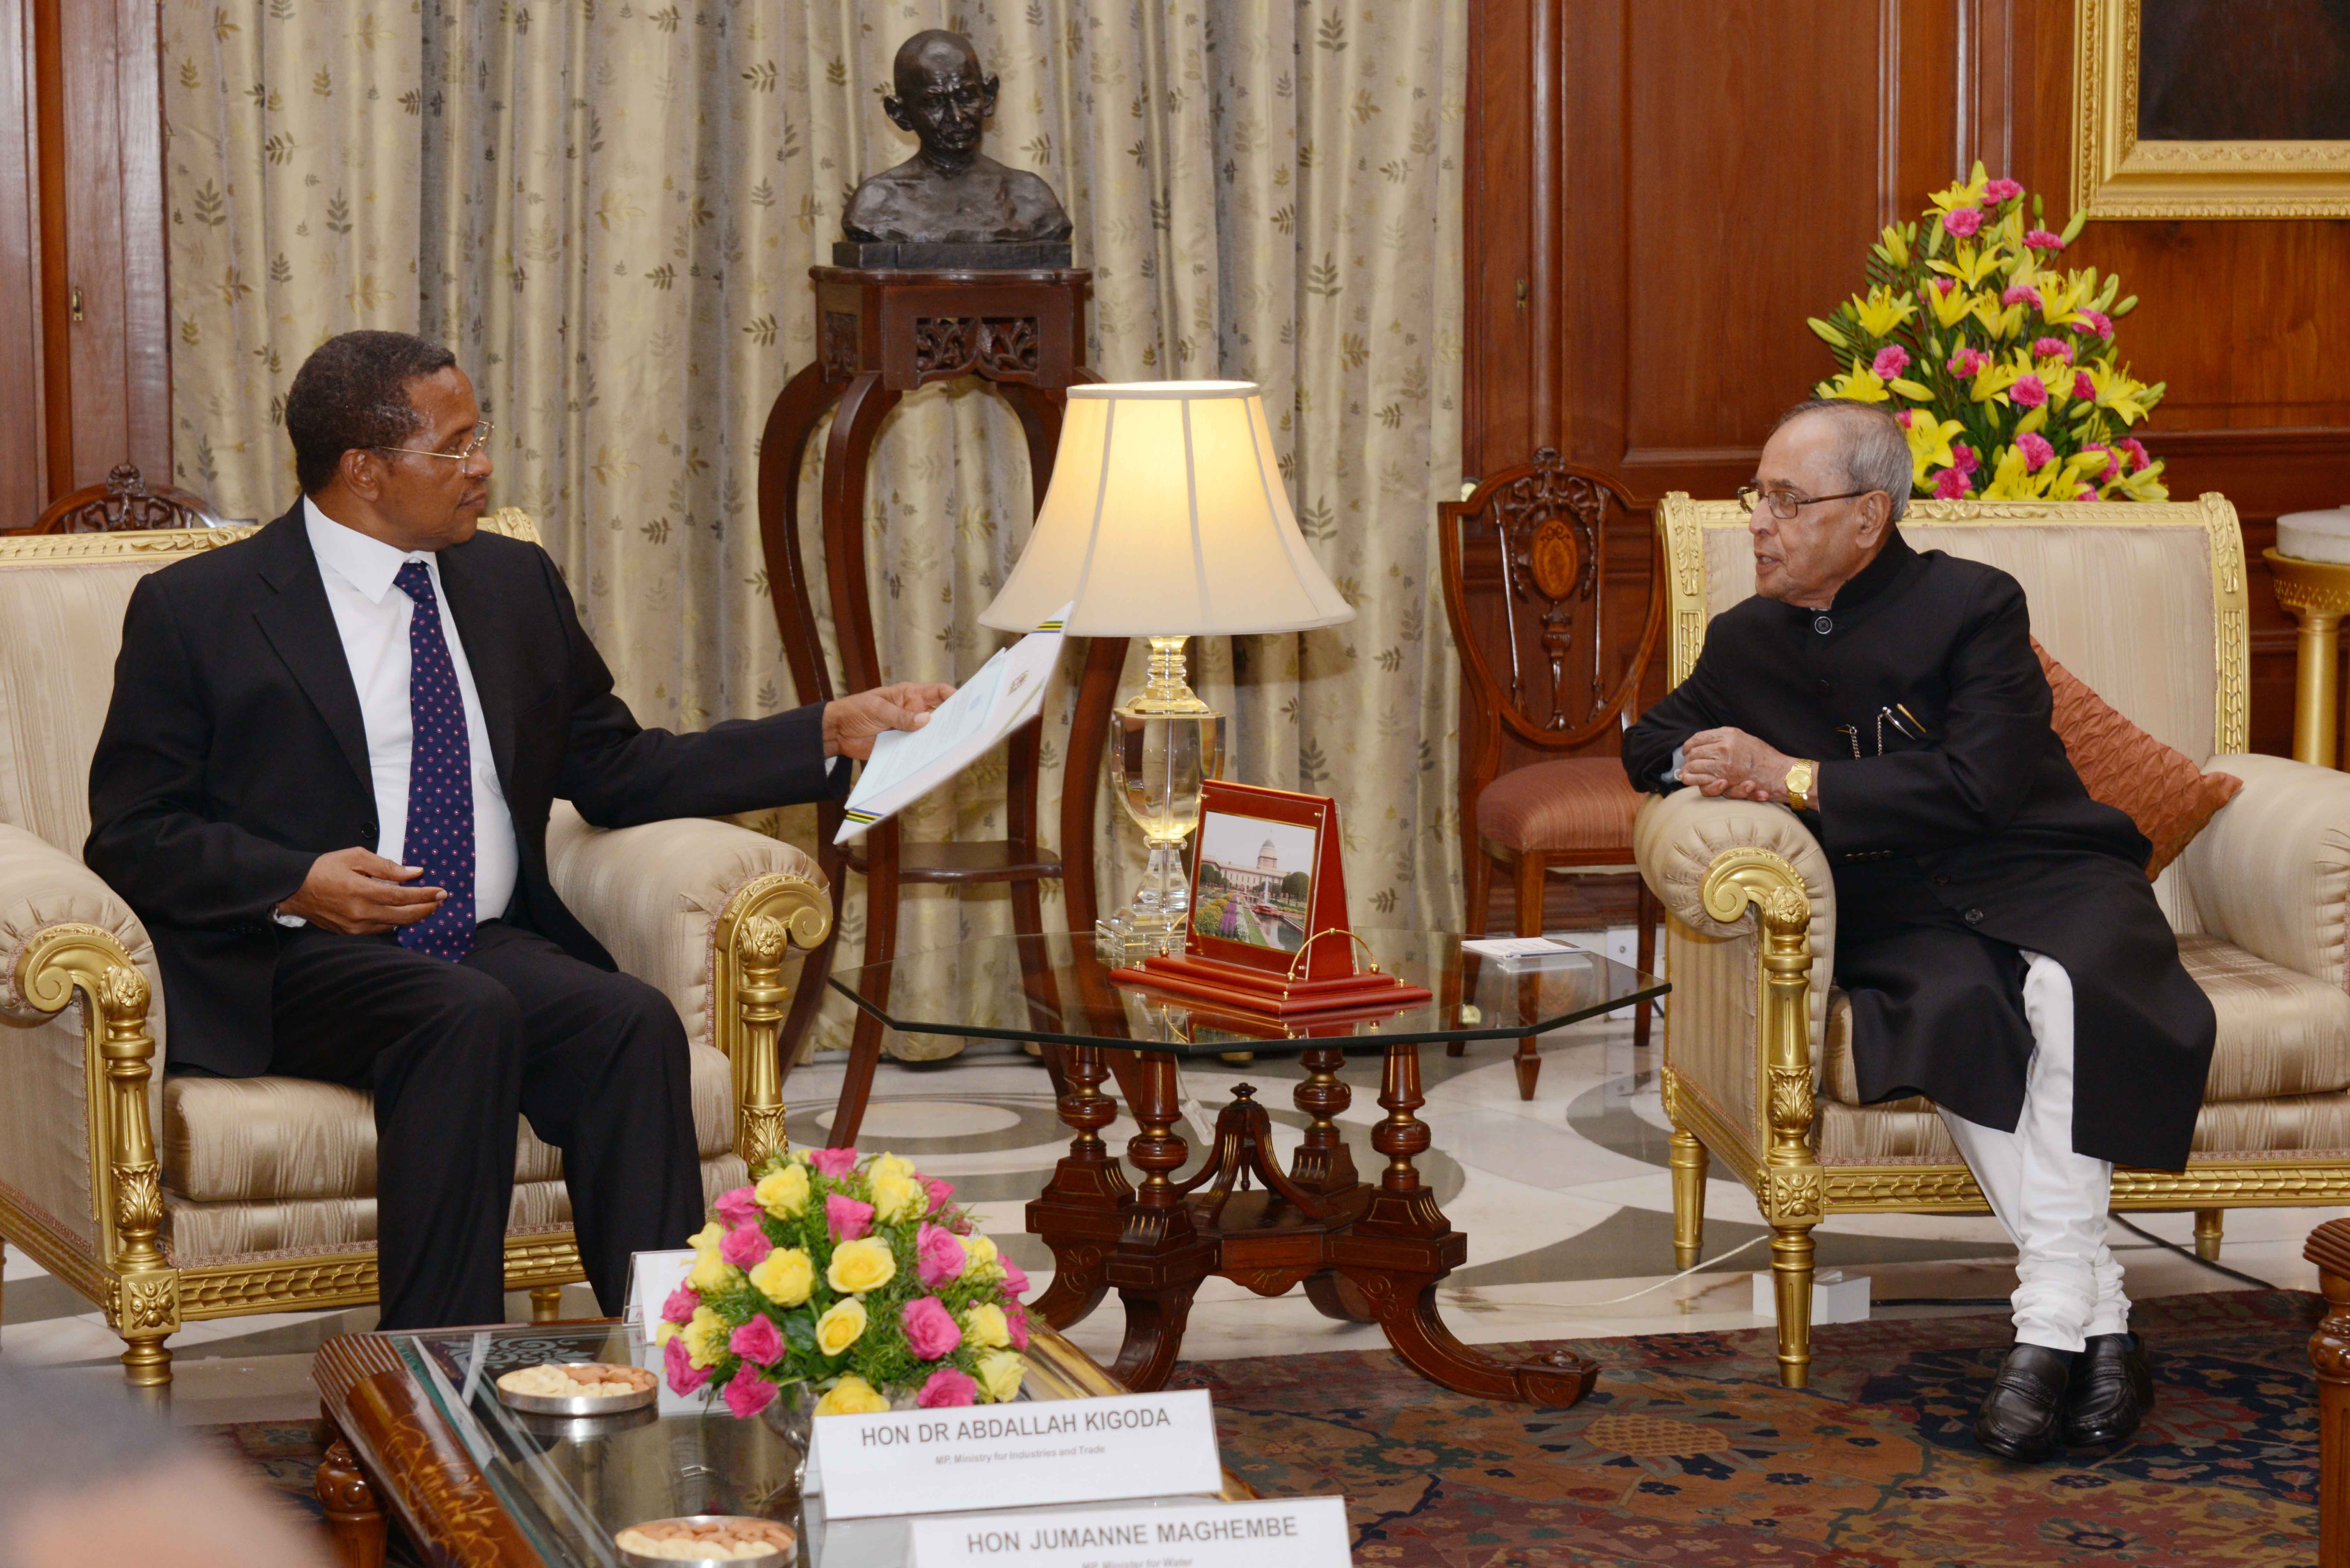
(2212, 109)
(1254, 880)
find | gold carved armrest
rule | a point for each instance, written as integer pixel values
(714, 917)
(2271, 871)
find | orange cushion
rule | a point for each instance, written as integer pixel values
(2121, 765)
(1574, 803)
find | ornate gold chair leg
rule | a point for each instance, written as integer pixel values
(2208, 1222)
(546, 1302)
(1689, 1162)
(1791, 1277)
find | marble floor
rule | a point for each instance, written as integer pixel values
(1565, 1200)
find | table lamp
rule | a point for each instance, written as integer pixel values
(1166, 519)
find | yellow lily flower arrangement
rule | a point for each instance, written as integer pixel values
(2006, 381)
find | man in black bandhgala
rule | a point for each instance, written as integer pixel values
(2002, 946)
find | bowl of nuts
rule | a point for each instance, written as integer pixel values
(706, 1541)
(579, 1389)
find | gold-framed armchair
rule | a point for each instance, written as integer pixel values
(2145, 603)
(165, 1201)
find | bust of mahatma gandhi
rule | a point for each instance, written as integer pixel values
(949, 192)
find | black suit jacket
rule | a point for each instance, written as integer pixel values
(1980, 832)
(233, 755)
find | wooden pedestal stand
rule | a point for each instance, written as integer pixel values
(880, 335)
(1364, 1254)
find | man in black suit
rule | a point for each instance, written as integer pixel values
(1996, 933)
(324, 784)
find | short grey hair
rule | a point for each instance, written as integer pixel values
(1876, 452)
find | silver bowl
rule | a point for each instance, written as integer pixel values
(775, 1558)
(581, 1428)
(577, 1405)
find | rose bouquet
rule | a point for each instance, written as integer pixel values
(2004, 360)
(854, 1275)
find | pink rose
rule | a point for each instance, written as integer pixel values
(2037, 452)
(833, 1162)
(737, 1206)
(849, 1218)
(758, 1340)
(749, 1393)
(1950, 485)
(1968, 362)
(2018, 294)
(2096, 323)
(2136, 450)
(940, 1189)
(1015, 1325)
(2083, 387)
(1967, 460)
(684, 1376)
(1015, 1281)
(679, 1307)
(938, 1257)
(2028, 392)
(2041, 240)
(2002, 190)
(1891, 360)
(930, 1330)
(745, 1246)
(1961, 223)
(947, 1388)
(2052, 349)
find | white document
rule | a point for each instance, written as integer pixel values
(1297, 1533)
(1023, 1454)
(908, 764)
(1515, 951)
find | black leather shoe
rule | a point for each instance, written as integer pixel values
(2026, 1407)
(2110, 1392)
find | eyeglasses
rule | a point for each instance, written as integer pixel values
(1786, 504)
(478, 443)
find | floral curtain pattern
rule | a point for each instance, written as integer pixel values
(609, 210)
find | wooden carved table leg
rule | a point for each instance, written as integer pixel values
(1079, 1214)
(2329, 1355)
(354, 1523)
(1397, 1251)
(1160, 1257)
(1326, 1163)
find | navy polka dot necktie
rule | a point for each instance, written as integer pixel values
(439, 778)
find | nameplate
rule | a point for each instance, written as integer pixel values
(653, 1276)
(1020, 1455)
(1300, 1533)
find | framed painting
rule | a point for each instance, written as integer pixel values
(2212, 109)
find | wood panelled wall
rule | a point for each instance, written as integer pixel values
(1661, 191)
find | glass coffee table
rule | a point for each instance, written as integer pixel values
(1364, 1251)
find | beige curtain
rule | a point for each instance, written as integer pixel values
(610, 212)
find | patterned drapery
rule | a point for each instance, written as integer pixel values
(610, 211)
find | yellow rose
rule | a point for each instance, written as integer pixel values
(898, 1197)
(839, 1329)
(890, 1165)
(1000, 1372)
(664, 1332)
(979, 1255)
(705, 1338)
(984, 1327)
(852, 1395)
(786, 1276)
(796, 1156)
(864, 1264)
(705, 1240)
(711, 1274)
(785, 1193)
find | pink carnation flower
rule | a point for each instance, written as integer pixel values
(1961, 223)
(749, 1393)
(2083, 387)
(946, 1389)
(2136, 450)
(745, 1247)
(1015, 1325)
(849, 1218)
(2096, 323)
(938, 1257)
(1968, 362)
(2029, 391)
(679, 1307)
(2035, 449)
(758, 1340)
(940, 1189)
(2113, 461)
(930, 1330)
(1015, 1280)
(2041, 240)
(684, 1376)
(2088, 496)
(1891, 360)
(2052, 349)
(2002, 190)
(737, 1206)
(2018, 294)
(1950, 485)
(1967, 460)
(833, 1162)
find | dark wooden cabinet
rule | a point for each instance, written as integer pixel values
(85, 337)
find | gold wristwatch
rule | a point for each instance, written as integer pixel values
(1800, 780)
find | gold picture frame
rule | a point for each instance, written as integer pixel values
(2118, 175)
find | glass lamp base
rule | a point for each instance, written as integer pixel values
(1153, 923)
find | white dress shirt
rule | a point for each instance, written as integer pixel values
(372, 615)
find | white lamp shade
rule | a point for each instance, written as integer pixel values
(1167, 516)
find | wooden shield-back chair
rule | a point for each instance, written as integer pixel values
(125, 504)
(1556, 591)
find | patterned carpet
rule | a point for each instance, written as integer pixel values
(1690, 1454)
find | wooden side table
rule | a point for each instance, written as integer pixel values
(2317, 594)
(2329, 1354)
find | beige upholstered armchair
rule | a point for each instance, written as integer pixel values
(2145, 604)
(165, 1201)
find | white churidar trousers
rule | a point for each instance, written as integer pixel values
(2051, 1200)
